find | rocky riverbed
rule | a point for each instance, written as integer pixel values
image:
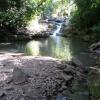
(40, 78)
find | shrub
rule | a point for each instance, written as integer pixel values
(96, 30)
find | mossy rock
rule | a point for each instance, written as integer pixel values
(94, 83)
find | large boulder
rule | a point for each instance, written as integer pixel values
(95, 46)
(19, 76)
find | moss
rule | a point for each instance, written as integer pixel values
(94, 84)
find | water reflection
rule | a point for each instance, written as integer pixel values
(35, 47)
(14, 47)
(63, 48)
(57, 47)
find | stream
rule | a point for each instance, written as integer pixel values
(54, 46)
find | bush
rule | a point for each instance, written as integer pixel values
(96, 30)
(12, 17)
(17, 14)
(86, 14)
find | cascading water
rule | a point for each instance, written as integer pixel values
(58, 29)
(54, 37)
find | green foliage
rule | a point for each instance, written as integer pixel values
(94, 84)
(17, 13)
(95, 3)
(61, 6)
(86, 15)
(96, 30)
(3, 4)
(12, 17)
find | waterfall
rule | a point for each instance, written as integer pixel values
(57, 30)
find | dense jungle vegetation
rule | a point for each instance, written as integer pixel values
(85, 16)
(14, 13)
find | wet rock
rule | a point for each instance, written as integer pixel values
(30, 94)
(8, 88)
(52, 26)
(10, 98)
(94, 46)
(60, 90)
(69, 69)
(77, 62)
(18, 97)
(64, 86)
(97, 53)
(58, 81)
(9, 80)
(66, 77)
(1, 65)
(19, 76)
(95, 49)
(66, 93)
(64, 62)
(62, 66)
(79, 75)
(35, 95)
(2, 93)
(61, 97)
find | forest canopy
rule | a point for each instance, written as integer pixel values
(17, 13)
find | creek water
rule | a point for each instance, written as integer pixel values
(54, 46)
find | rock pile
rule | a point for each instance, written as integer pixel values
(40, 78)
(95, 49)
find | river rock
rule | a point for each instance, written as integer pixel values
(19, 76)
(66, 77)
(2, 93)
(94, 46)
(62, 66)
(9, 80)
(8, 88)
(79, 75)
(61, 97)
(64, 87)
(66, 93)
(1, 65)
(97, 53)
(77, 62)
(35, 95)
(69, 69)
